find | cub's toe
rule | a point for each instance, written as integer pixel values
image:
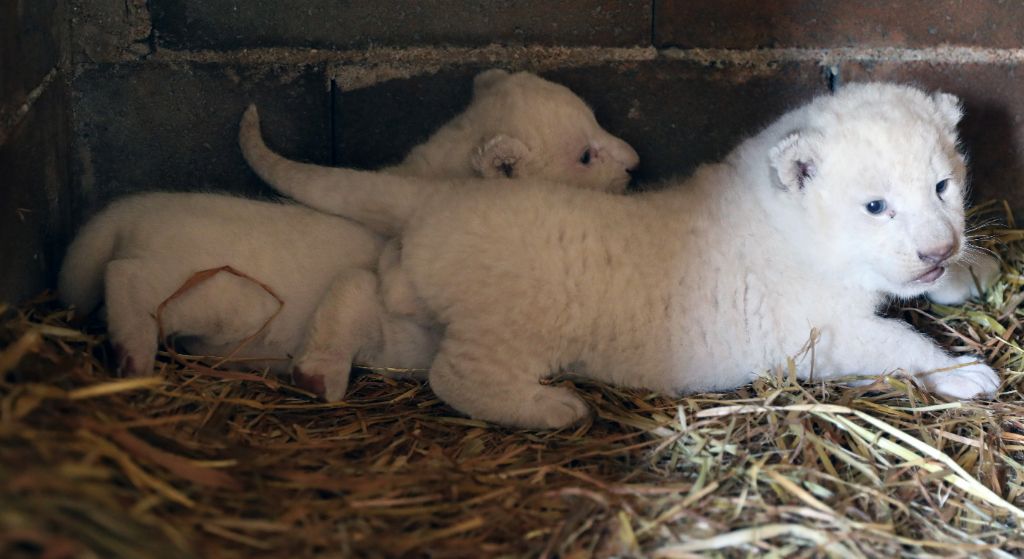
(311, 383)
(559, 408)
(973, 379)
(132, 364)
(323, 376)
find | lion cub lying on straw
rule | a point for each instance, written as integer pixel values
(143, 248)
(807, 225)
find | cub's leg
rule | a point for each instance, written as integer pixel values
(351, 325)
(408, 344)
(878, 345)
(132, 299)
(399, 295)
(959, 284)
(486, 380)
(346, 320)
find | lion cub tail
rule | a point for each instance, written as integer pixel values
(380, 201)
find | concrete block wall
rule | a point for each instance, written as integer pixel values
(158, 86)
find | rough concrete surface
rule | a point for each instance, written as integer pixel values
(678, 114)
(109, 30)
(377, 125)
(767, 58)
(360, 69)
(234, 24)
(143, 127)
(837, 23)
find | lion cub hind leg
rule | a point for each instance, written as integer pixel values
(398, 294)
(484, 383)
(131, 301)
(407, 344)
(348, 319)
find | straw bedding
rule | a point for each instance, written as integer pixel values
(222, 465)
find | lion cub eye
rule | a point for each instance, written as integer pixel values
(940, 186)
(585, 158)
(875, 207)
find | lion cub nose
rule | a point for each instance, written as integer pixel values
(936, 255)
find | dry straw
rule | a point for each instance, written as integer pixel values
(196, 462)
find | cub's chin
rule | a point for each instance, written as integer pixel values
(919, 283)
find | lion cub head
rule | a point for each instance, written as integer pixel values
(522, 126)
(878, 178)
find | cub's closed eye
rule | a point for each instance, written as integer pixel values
(585, 158)
(875, 206)
(940, 186)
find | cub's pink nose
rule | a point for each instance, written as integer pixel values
(936, 255)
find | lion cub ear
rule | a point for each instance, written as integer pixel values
(796, 159)
(486, 80)
(949, 107)
(500, 156)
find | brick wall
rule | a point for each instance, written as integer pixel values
(159, 85)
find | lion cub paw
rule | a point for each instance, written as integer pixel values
(565, 407)
(549, 407)
(971, 380)
(960, 284)
(323, 378)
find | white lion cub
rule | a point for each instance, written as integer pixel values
(143, 248)
(518, 125)
(808, 225)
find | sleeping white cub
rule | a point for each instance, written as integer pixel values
(810, 224)
(142, 248)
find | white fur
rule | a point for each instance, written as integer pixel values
(698, 286)
(142, 248)
(518, 125)
(964, 277)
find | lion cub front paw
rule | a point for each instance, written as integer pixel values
(960, 285)
(971, 380)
